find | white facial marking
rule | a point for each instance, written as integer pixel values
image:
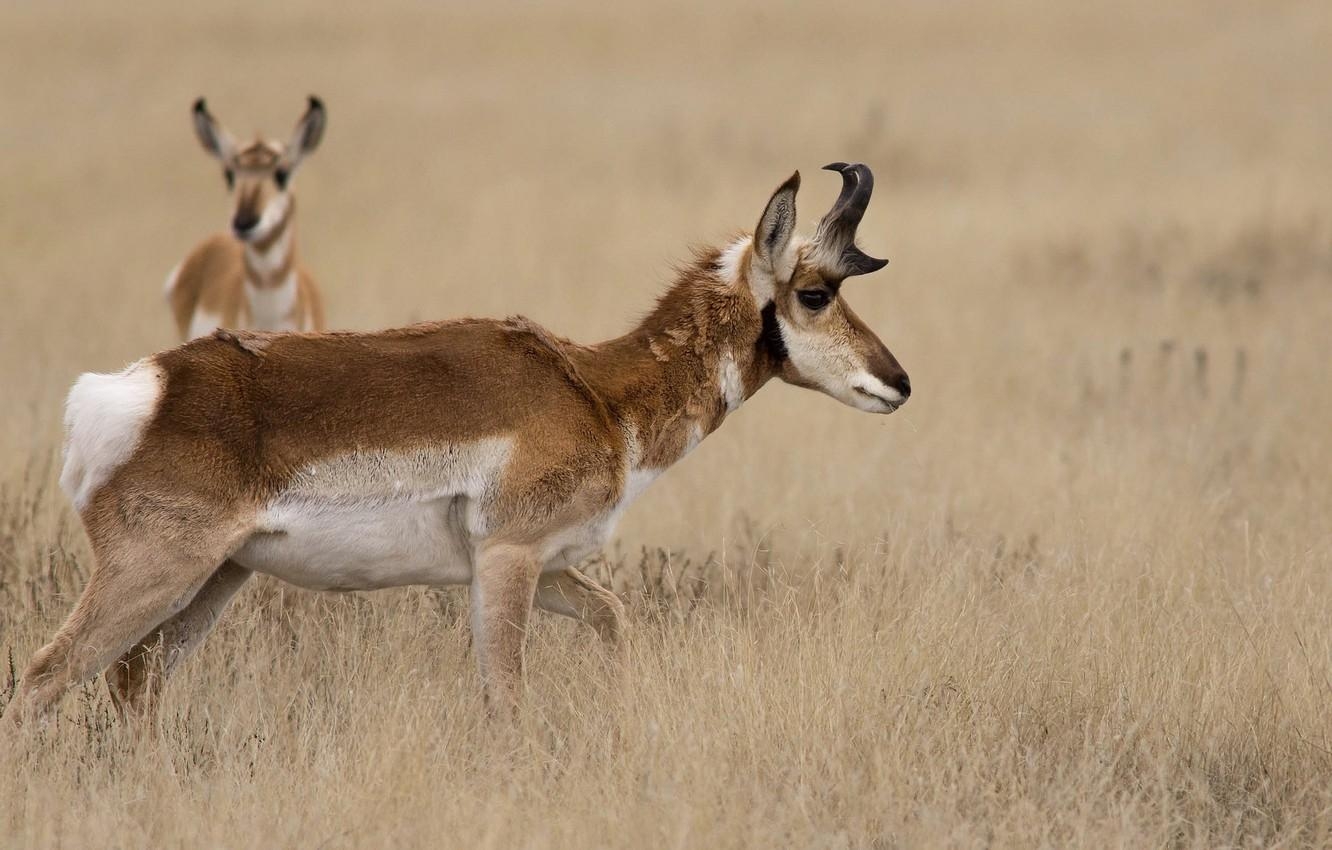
(105, 416)
(873, 395)
(837, 370)
(273, 308)
(274, 212)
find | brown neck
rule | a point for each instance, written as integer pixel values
(692, 360)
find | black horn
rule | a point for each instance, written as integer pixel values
(836, 236)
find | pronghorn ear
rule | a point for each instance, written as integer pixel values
(212, 135)
(308, 133)
(777, 224)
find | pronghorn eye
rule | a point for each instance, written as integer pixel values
(280, 178)
(231, 178)
(814, 299)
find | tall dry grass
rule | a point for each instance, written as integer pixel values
(1076, 593)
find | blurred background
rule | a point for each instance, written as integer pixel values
(1061, 188)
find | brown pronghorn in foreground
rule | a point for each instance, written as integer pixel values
(250, 278)
(481, 452)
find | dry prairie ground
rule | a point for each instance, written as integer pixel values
(1076, 593)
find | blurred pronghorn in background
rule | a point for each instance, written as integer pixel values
(250, 278)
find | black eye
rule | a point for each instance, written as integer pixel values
(814, 299)
(231, 178)
(280, 178)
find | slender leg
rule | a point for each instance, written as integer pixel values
(573, 594)
(133, 587)
(137, 680)
(503, 584)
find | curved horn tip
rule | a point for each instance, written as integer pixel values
(836, 166)
(857, 262)
(200, 106)
(316, 103)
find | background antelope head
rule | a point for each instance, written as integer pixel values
(259, 174)
(819, 341)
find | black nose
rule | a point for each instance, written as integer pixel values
(244, 222)
(902, 385)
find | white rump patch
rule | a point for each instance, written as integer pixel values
(105, 416)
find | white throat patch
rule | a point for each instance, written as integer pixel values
(273, 308)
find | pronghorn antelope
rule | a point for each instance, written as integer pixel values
(250, 278)
(481, 452)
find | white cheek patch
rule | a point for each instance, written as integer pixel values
(823, 362)
(811, 354)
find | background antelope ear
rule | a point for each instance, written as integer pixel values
(212, 135)
(778, 222)
(309, 132)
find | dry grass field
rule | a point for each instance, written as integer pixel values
(1077, 593)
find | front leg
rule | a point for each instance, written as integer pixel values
(573, 594)
(503, 583)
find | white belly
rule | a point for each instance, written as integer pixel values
(326, 545)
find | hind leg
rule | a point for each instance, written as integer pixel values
(133, 588)
(137, 679)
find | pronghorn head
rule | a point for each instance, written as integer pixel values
(809, 329)
(259, 174)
